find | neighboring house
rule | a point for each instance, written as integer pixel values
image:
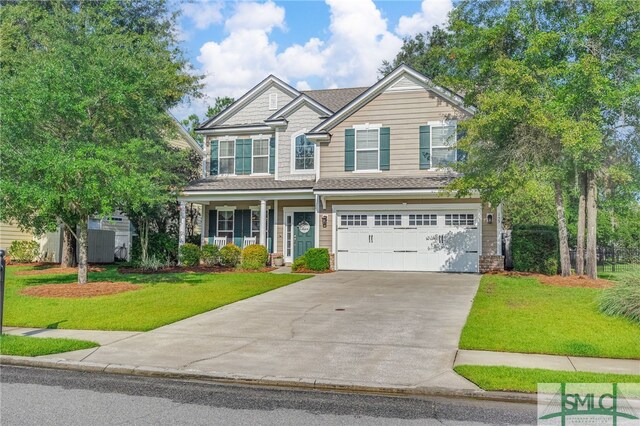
(358, 171)
(51, 243)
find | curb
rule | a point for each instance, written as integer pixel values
(269, 381)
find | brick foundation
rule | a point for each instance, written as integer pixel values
(332, 261)
(491, 263)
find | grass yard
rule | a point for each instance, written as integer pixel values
(163, 298)
(518, 314)
(527, 379)
(36, 346)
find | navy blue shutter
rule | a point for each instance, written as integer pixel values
(270, 230)
(385, 148)
(425, 147)
(272, 155)
(213, 222)
(213, 167)
(349, 149)
(461, 155)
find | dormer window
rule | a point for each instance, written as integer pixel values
(273, 101)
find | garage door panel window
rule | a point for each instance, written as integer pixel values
(459, 219)
(353, 220)
(388, 220)
(367, 149)
(443, 139)
(423, 220)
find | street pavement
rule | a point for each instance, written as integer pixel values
(32, 396)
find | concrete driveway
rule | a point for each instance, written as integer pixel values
(364, 328)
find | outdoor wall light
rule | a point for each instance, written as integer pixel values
(324, 221)
(489, 218)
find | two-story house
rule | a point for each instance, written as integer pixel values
(359, 171)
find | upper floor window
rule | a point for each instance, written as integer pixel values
(304, 153)
(367, 149)
(273, 101)
(443, 140)
(260, 156)
(227, 157)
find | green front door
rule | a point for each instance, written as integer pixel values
(303, 232)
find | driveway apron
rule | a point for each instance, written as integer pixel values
(365, 328)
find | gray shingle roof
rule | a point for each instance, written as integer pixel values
(247, 184)
(335, 99)
(362, 183)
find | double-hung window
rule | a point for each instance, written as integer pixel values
(304, 151)
(367, 149)
(443, 140)
(260, 156)
(225, 224)
(227, 157)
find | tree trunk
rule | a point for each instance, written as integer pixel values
(592, 216)
(68, 248)
(565, 261)
(83, 236)
(582, 220)
(144, 240)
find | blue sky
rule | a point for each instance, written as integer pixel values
(309, 44)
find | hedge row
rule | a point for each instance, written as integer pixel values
(535, 249)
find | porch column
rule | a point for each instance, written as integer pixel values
(263, 222)
(203, 237)
(182, 236)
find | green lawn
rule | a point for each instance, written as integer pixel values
(526, 379)
(36, 346)
(164, 298)
(518, 314)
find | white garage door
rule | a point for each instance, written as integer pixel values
(408, 240)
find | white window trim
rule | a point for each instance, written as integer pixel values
(233, 219)
(294, 171)
(256, 138)
(365, 126)
(235, 147)
(442, 123)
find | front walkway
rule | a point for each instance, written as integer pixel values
(349, 328)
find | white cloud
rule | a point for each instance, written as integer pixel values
(434, 12)
(256, 16)
(203, 14)
(359, 39)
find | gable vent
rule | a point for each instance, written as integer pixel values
(273, 101)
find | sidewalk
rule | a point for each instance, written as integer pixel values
(101, 337)
(548, 362)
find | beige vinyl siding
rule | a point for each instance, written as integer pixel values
(303, 118)
(403, 112)
(258, 110)
(489, 232)
(10, 232)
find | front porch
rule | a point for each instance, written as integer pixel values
(283, 221)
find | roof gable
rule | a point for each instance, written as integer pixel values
(244, 100)
(293, 106)
(403, 72)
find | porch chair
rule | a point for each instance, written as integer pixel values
(220, 241)
(247, 241)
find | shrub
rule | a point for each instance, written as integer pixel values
(298, 264)
(535, 249)
(254, 256)
(161, 245)
(623, 299)
(189, 254)
(24, 251)
(152, 263)
(210, 255)
(230, 255)
(317, 259)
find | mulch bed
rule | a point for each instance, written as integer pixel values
(92, 289)
(181, 269)
(560, 281)
(57, 270)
